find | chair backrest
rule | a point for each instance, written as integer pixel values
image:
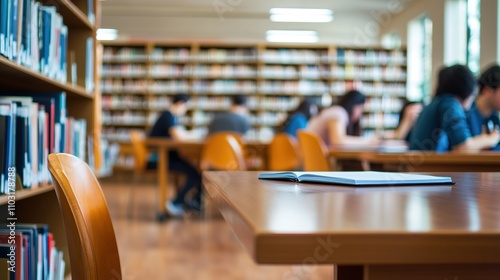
(283, 153)
(222, 151)
(314, 151)
(140, 151)
(91, 238)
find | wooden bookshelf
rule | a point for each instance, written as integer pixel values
(40, 204)
(218, 71)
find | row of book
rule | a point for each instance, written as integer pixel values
(176, 86)
(386, 104)
(367, 73)
(377, 73)
(116, 102)
(276, 56)
(369, 88)
(294, 87)
(123, 118)
(34, 36)
(124, 54)
(380, 120)
(30, 253)
(179, 54)
(373, 57)
(124, 86)
(285, 56)
(224, 86)
(35, 125)
(127, 70)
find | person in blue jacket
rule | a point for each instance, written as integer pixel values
(299, 117)
(483, 114)
(442, 126)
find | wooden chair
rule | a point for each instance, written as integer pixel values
(314, 152)
(222, 151)
(283, 153)
(91, 238)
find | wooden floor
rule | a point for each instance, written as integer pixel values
(188, 248)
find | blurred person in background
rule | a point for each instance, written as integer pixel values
(340, 124)
(483, 114)
(166, 126)
(299, 118)
(442, 126)
(234, 120)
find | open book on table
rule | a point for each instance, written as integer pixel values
(358, 178)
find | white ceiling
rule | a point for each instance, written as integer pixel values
(239, 20)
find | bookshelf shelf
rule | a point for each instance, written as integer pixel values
(274, 78)
(73, 16)
(39, 68)
(26, 193)
(14, 75)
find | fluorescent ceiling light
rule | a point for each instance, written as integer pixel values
(290, 36)
(301, 15)
(104, 34)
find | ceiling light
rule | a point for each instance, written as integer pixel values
(104, 34)
(301, 15)
(290, 36)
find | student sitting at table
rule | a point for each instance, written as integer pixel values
(166, 126)
(483, 113)
(235, 120)
(340, 124)
(442, 125)
(407, 118)
(299, 117)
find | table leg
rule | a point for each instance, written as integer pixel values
(348, 272)
(417, 272)
(162, 181)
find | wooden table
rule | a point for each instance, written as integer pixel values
(426, 232)
(423, 161)
(192, 148)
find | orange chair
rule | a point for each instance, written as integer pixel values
(140, 152)
(314, 152)
(93, 252)
(222, 151)
(283, 153)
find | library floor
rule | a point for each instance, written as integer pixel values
(188, 248)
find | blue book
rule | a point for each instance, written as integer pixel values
(13, 40)
(4, 26)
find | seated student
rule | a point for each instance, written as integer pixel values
(234, 120)
(442, 125)
(299, 117)
(166, 126)
(407, 118)
(483, 113)
(340, 124)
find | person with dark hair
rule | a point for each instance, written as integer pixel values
(166, 126)
(299, 117)
(483, 114)
(234, 120)
(407, 118)
(442, 125)
(340, 124)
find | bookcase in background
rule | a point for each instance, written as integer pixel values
(27, 65)
(139, 80)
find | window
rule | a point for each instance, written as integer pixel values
(419, 58)
(473, 34)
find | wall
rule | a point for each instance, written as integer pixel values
(490, 51)
(435, 9)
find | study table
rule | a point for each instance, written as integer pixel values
(191, 148)
(410, 232)
(422, 161)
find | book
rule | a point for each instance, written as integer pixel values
(358, 178)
